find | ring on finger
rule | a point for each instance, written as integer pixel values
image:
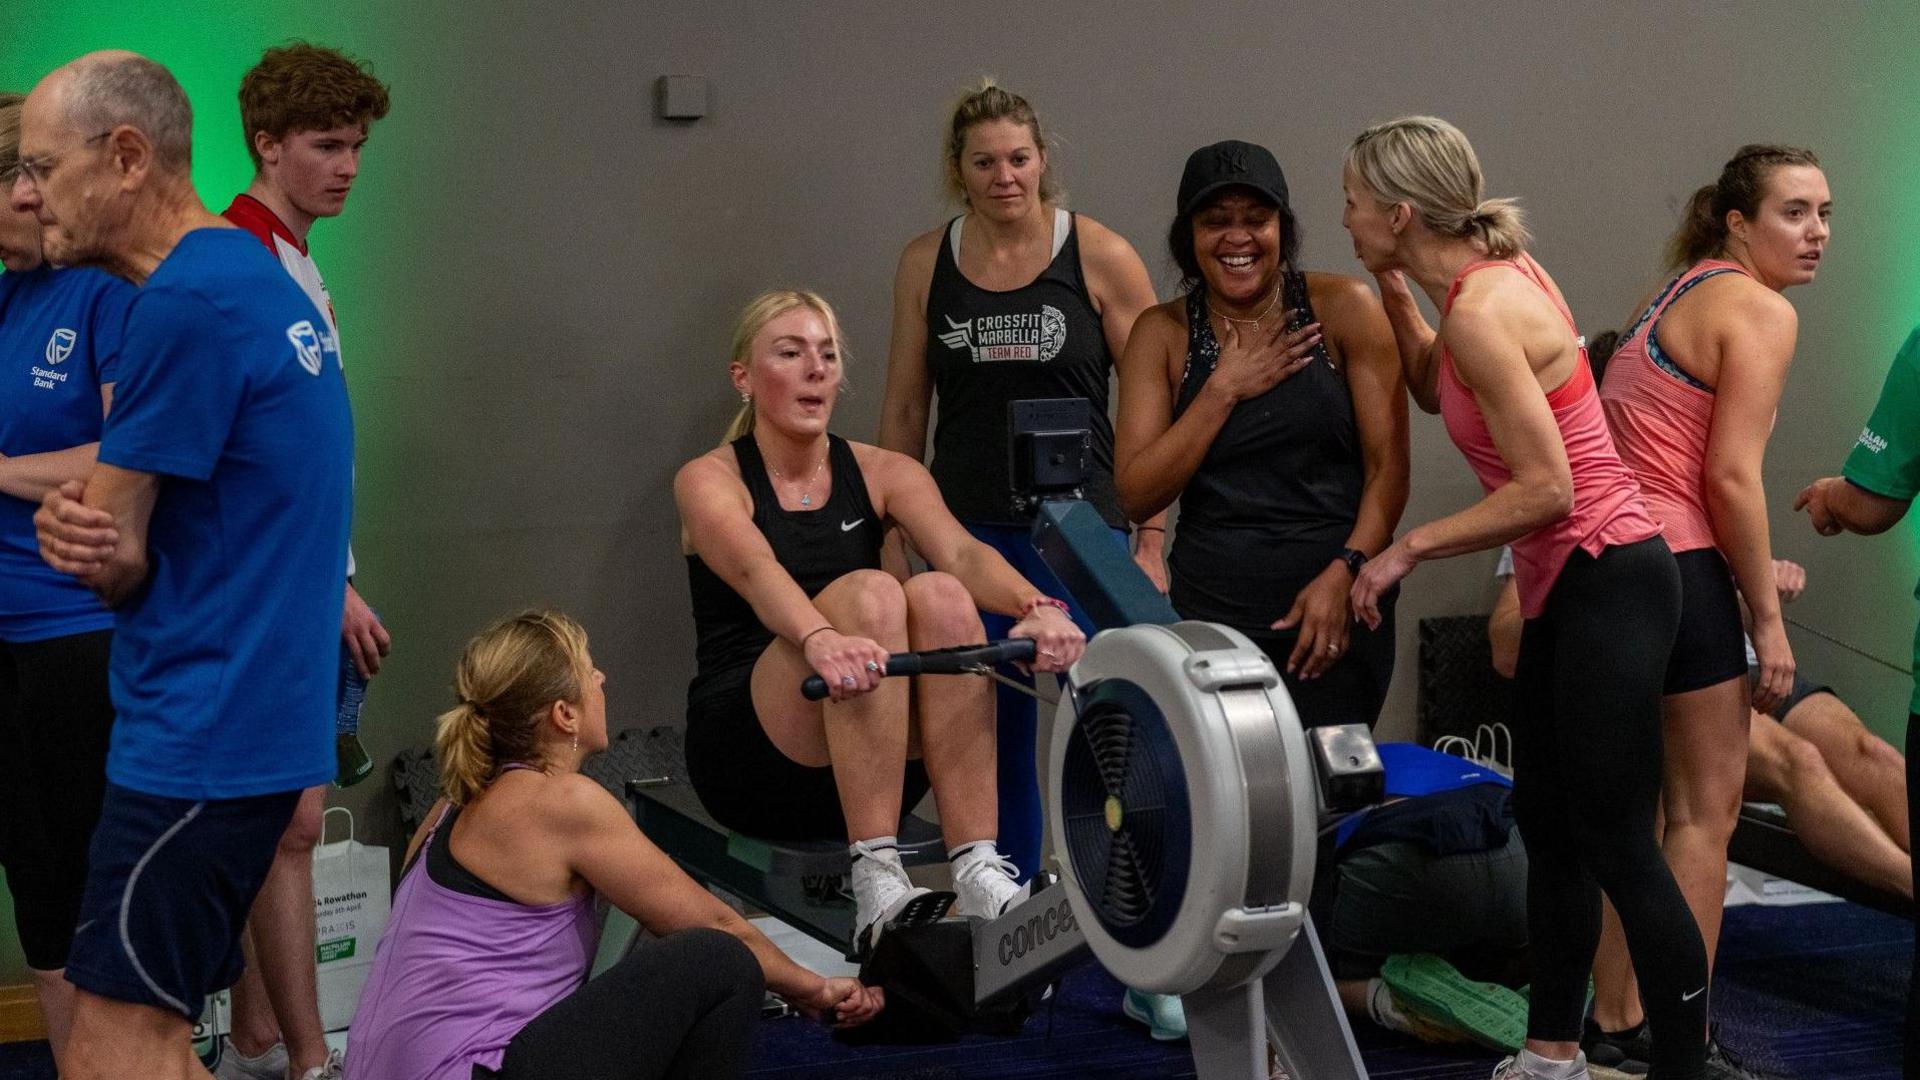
(847, 681)
(873, 665)
(1332, 649)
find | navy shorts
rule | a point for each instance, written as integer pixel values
(1712, 645)
(1803, 689)
(169, 885)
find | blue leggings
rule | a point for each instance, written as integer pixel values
(1021, 821)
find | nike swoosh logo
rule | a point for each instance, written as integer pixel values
(849, 526)
(1695, 994)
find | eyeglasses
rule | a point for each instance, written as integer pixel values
(36, 169)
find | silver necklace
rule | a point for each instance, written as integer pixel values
(806, 497)
(1255, 321)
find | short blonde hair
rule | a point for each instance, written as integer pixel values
(1428, 164)
(754, 318)
(509, 676)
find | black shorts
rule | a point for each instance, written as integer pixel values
(748, 785)
(1712, 645)
(168, 891)
(56, 718)
(1398, 897)
(1802, 690)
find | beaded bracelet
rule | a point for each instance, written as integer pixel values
(1027, 608)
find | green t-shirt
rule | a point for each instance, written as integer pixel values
(1886, 460)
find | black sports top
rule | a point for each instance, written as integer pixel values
(814, 546)
(1280, 484)
(985, 349)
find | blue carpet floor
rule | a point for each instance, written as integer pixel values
(1806, 992)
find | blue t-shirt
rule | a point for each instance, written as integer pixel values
(1413, 770)
(59, 340)
(225, 661)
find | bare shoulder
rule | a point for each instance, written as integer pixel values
(1164, 322)
(881, 465)
(577, 801)
(917, 258)
(1340, 294)
(1736, 300)
(1101, 245)
(716, 466)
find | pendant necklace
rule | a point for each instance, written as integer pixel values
(806, 497)
(1255, 321)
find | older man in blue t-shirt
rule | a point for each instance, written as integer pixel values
(215, 523)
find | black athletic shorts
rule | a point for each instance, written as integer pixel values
(748, 785)
(169, 886)
(1802, 690)
(1712, 645)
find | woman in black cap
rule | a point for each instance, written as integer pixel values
(1269, 402)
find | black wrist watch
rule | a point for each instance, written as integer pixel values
(1354, 558)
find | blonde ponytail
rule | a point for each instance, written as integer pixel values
(1428, 164)
(510, 676)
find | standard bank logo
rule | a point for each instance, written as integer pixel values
(306, 345)
(60, 345)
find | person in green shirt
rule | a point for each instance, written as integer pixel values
(1872, 492)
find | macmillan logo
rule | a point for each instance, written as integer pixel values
(1035, 338)
(60, 345)
(1874, 443)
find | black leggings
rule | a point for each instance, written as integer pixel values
(1586, 790)
(55, 719)
(683, 1006)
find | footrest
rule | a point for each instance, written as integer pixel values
(1487, 1013)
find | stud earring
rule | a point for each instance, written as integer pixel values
(746, 398)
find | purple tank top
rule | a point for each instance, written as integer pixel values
(456, 977)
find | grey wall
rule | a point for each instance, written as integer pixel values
(543, 277)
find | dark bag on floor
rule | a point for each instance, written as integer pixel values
(927, 973)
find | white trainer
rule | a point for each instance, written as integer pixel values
(327, 1070)
(233, 1065)
(983, 880)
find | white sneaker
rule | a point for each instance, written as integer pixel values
(1525, 1066)
(327, 1070)
(983, 880)
(881, 892)
(233, 1065)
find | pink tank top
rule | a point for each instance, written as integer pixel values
(1607, 510)
(1660, 417)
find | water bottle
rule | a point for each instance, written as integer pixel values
(351, 760)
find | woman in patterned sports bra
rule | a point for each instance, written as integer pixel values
(1268, 402)
(1598, 590)
(1690, 396)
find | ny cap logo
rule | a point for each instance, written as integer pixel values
(1233, 159)
(60, 345)
(306, 345)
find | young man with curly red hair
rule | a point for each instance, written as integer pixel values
(306, 111)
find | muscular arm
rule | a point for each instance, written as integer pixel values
(1493, 364)
(716, 513)
(1416, 341)
(1154, 454)
(607, 850)
(911, 501)
(1358, 328)
(909, 392)
(31, 476)
(1123, 291)
(1756, 340)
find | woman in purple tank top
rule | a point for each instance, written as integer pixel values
(483, 969)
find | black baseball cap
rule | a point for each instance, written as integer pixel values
(1230, 164)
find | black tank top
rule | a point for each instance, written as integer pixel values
(985, 349)
(1276, 495)
(815, 547)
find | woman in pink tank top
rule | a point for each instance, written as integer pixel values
(1599, 591)
(1691, 396)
